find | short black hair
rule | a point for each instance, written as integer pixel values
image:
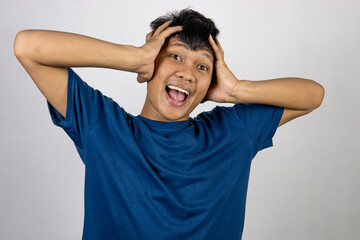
(196, 28)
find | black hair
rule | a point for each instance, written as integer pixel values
(196, 28)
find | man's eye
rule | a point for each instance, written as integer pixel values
(202, 67)
(176, 57)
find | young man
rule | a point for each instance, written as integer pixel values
(162, 174)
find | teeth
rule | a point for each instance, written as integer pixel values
(178, 89)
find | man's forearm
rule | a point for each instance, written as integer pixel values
(290, 93)
(62, 49)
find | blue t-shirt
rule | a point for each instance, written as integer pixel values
(147, 179)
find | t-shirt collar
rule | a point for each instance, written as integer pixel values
(154, 124)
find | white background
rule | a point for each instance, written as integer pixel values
(305, 187)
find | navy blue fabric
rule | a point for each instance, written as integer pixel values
(147, 179)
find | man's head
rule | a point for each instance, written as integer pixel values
(196, 28)
(183, 68)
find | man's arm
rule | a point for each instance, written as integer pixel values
(45, 55)
(297, 96)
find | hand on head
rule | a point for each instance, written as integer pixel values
(154, 41)
(224, 81)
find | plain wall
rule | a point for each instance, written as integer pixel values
(305, 187)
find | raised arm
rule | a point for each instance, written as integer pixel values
(298, 96)
(45, 55)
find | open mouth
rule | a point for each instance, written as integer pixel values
(176, 95)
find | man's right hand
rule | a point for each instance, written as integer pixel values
(154, 41)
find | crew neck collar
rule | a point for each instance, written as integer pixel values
(164, 125)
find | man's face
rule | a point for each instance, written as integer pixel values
(180, 82)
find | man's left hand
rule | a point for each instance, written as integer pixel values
(224, 83)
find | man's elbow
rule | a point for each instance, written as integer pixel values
(318, 96)
(23, 44)
(19, 44)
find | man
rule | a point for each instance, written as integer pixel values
(162, 174)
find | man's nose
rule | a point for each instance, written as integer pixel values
(186, 72)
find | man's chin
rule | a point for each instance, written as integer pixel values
(171, 117)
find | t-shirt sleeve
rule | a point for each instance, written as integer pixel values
(260, 121)
(83, 109)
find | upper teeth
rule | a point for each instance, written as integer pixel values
(178, 89)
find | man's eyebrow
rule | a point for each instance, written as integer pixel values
(208, 56)
(180, 44)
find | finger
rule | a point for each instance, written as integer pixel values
(216, 48)
(162, 27)
(170, 30)
(149, 35)
(220, 47)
